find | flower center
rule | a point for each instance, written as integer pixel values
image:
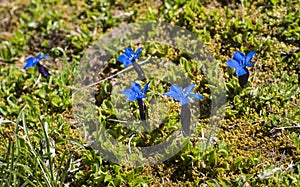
(131, 57)
(182, 94)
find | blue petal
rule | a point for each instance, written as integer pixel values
(127, 62)
(241, 71)
(128, 52)
(173, 94)
(38, 57)
(189, 88)
(249, 56)
(30, 61)
(250, 64)
(239, 56)
(145, 87)
(176, 89)
(233, 63)
(135, 87)
(122, 58)
(45, 56)
(132, 98)
(197, 96)
(138, 51)
(135, 57)
(129, 94)
(184, 100)
(141, 96)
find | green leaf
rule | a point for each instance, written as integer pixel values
(213, 158)
(56, 101)
(238, 162)
(223, 152)
(274, 2)
(107, 178)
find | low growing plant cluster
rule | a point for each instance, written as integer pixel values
(255, 45)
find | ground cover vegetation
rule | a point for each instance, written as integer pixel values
(258, 143)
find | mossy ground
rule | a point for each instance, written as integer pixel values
(259, 134)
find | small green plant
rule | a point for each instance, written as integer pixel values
(7, 52)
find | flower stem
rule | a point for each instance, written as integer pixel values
(143, 113)
(244, 79)
(139, 71)
(43, 70)
(142, 109)
(185, 119)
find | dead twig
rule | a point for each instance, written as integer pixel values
(112, 76)
(283, 128)
(294, 122)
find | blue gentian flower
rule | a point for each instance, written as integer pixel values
(32, 61)
(177, 93)
(240, 62)
(135, 92)
(129, 56)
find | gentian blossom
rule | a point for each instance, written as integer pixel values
(181, 95)
(32, 61)
(240, 62)
(129, 56)
(135, 92)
